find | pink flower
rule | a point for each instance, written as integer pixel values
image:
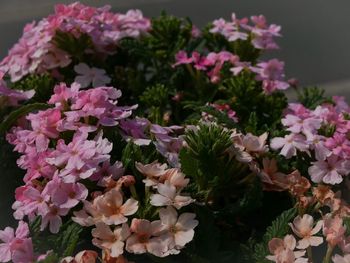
(179, 228)
(271, 73)
(304, 228)
(230, 30)
(44, 125)
(113, 241)
(111, 207)
(330, 171)
(272, 179)
(13, 241)
(316, 142)
(52, 217)
(289, 144)
(89, 75)
(168, 195)
(66, 195)
(182, 58)
(296, 124)
(142, 239)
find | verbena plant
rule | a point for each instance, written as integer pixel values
(150, 140)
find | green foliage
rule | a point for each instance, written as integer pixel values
(63, 244)
(256, 111)
(311, 97)
(155, 99)
(42, 84)
(16, 114)
(278, 229)
(221, 117)
(75, 47)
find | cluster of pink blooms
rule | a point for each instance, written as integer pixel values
(269, 73)
(259, 33)
(321, 133)
(36, 51)
(63, 145)
(297, 248)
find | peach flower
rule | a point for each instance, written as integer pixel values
(85, 256)
(143, 238)
(179, 228)
(304, 228)
(113, 241)
(111, 207)
(168, 195)
(333, 229)
(283, 251)
(152, 172)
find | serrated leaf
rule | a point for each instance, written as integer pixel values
(16, 114)
(278, 229)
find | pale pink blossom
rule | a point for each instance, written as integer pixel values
(152, 172)
(168, 195)
(95, 76)
(341, 259)
(330, 171)
(283, 251)
(289, 144)
(304, 228)
(180, 229)
(113, 241)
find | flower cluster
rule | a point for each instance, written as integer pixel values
(269, 73)
(260, 33)
(307, 231)
(321, 133)
(37, 52)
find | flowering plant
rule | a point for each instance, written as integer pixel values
(145, 140)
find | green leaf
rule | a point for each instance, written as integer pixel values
(16, 114)
(278, 229)
(311, 97)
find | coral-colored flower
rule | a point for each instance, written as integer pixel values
(85, 256)
(304, 228)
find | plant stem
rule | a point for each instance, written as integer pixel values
(327, 258)
(309, 254)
